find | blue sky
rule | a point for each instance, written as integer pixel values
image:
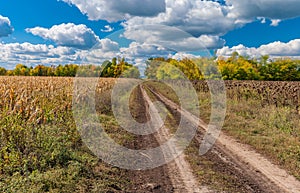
(256, 34)
(46, 13)
(77, 31)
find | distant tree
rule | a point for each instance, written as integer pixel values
(281, 69)
(3, 71)
(39, 70)
(116, 68)
(239, 68)
(21, 70)
(131, 72)
(152, 67)
(264, 59)
(107, 69)
(169, 71)
(59, 71)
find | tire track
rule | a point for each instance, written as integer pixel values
(179, 170)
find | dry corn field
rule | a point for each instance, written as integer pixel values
(279, 93)
(40, 147)
(26, 96)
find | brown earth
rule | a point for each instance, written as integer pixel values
(154, 180)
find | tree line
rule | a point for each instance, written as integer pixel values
(236, 67)
(115, 68)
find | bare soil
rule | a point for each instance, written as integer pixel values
(154, 180)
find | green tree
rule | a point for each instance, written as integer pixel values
(131, 72)
(3, 71)
(168, 71)
(21, 70)
(107, 69)
(39, 70)
(152, 67)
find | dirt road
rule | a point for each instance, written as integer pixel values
(256, 172)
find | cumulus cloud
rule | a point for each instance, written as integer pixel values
(107, 28)
(108, 45)
(209, 17)
(194, 17)
(96, 56)
(144, 50)
(172, 38)
(182, 55)
(275, 49)
(117, 10)
(271, 9)
(69, 35)
(216, 18)
(34, 54)
(204, 21)
(202, 43)
(5, 26)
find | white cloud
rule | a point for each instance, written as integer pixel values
(209, 42)
(275, 49)
(262, 19)
(171, 38)
(195, 17)
(144, 50)
(203, 43)
(107, 28)
(271, 9)
(241, 49)
(33, 54)
(203, 20)
(69, 35)
(117, 10)
(214, 18)
(182, 55)
(291, 48)
(108, 45)
(5, 26)
(275, 22)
